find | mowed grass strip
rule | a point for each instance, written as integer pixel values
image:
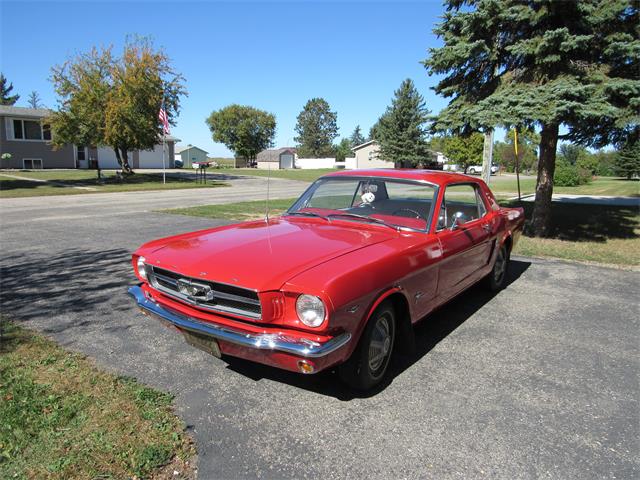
(240, 211)
(62, 182)
(291, 174)
(592, 233)
(61, 418)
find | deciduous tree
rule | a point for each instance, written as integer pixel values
(244, 130)
(110, 101)
(316, 129)
(541, 63)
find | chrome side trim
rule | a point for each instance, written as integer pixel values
(265, 341)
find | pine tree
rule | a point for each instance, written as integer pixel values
(316, 129)
(5, 90)
(401, 131)
(356, 137)
(541, 63)
(627, 163)
(34, 100)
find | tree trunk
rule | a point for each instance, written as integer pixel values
(126, 168)
(541, 221)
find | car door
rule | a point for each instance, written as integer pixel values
(464, 232)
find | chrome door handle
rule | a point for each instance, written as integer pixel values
(487, 227)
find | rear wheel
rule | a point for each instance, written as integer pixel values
(497, 279)
(368, 363)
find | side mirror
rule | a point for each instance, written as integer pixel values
(458, 219)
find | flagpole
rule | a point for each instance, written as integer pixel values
(164, 147)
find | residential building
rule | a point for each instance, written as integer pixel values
(190, 154)
(368, 156)
(277, 158)
(25, 135)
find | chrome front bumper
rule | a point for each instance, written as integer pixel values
(281, 342)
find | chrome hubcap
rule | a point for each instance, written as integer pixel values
(380, 343)
(500, 266)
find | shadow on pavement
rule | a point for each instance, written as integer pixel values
(428, 333)
(73, 281)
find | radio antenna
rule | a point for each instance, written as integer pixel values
(266, 208)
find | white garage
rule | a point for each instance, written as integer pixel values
(153, 158)
(107, 158)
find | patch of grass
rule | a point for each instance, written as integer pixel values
(297, 174)
(503, 185)
(620, 252)
(61, 417)
(235, 211)
(65, 182)
(594, 233)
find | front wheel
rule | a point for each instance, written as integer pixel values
(497, 279)
(368, 363)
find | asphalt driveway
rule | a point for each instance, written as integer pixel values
(539, 381)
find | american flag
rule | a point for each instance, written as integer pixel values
(162, 116)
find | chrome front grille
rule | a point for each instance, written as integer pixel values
(219, 297)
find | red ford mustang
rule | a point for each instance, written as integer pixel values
(339, 279)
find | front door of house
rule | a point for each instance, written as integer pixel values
(82, 157)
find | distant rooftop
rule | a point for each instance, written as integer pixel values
(24, 112)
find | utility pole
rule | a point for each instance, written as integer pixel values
(487, 155)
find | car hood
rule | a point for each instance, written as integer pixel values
(262, 256)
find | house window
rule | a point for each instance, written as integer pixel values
(82, 154)
(32, 163)
(30, 130)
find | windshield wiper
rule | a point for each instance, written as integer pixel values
(307, 214)
(363, 217)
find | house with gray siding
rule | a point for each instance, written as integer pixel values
(190, 154)
(25, 135)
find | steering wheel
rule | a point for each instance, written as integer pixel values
(417, 214)
(365, 205)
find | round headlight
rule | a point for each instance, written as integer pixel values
(310, 310)
(142, 271)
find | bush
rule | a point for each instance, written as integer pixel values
(567, 175)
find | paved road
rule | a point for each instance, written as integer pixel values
(539, 381)
(606, 200)
(91, 205)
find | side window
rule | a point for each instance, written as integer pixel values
(461, 201)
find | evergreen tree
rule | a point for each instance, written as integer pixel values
(34, 100)
(5, 92)
(401, 130)
(356, 137)
(627, 162)
(541, 63)
(343, 149)
(316, 129)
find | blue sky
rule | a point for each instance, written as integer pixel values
(271, 55)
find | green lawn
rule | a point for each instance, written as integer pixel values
(298, 174)
(61, 417)
(502, 184)
(235, 211)
(593, 233)
(62, 182)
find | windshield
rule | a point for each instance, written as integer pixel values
(397, 203)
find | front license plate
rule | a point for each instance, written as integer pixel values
(203, 342)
